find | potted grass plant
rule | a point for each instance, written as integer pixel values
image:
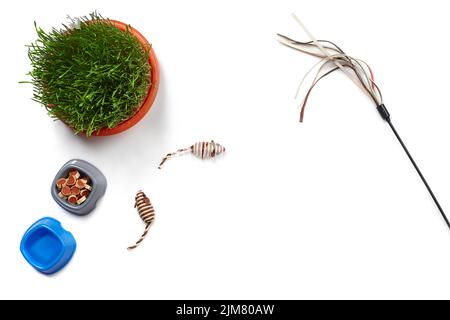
(98, 76)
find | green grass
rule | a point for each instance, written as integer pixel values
(91, 75)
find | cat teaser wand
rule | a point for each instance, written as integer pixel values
(334, 58)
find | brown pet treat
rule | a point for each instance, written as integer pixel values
(81, 183)
(72, 199)
(88, 187)
(81, 200)
(62, 196)
(66, 191)
(71, 181)
(74, 173)
(61, 183)
(84, 193)
(75, 191)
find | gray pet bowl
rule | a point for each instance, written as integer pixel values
(98, 183)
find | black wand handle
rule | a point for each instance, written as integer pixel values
(387, 117)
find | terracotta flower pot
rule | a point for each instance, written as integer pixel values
(151, 95)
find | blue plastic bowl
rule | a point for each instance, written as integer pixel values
(47, 246)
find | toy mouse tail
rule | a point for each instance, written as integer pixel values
(173, 154)
(147, 227)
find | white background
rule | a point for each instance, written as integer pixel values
(330, 208)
